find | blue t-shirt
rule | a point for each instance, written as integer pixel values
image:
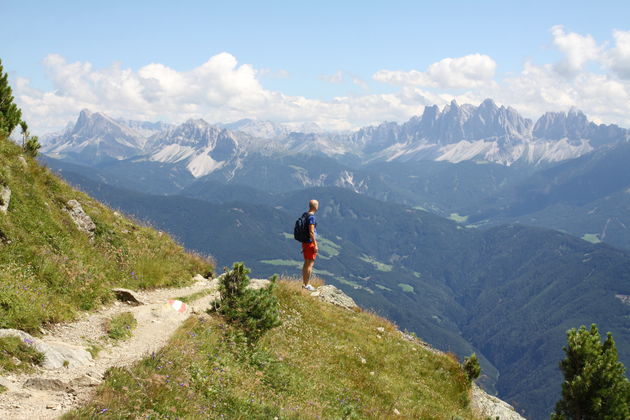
(311, 221)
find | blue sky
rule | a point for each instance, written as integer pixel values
(304, 56)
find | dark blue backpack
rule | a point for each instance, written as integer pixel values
(300, 231)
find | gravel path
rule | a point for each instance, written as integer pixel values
(47, 394)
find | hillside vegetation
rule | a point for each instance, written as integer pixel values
(49, 269)
(322, 362)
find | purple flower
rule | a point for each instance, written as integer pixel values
(104, 410)
(28, 341)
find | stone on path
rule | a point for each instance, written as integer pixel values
(46, 384)
(128, 296)
(56, 355)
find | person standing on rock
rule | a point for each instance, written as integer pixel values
(309, 245)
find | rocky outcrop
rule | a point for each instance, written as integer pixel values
(80, 218)
(331, 294)
(5, 197)
(492, 407)
(56, 355)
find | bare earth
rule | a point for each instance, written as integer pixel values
(50, 393)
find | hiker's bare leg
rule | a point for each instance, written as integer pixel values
(307, 269)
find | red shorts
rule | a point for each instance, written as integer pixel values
(308, 248)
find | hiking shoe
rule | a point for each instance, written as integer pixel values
(309, 288)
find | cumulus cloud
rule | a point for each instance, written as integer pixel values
(222, 90)
(218, 90)
(470, 71)
(618, 58)
(577, 49)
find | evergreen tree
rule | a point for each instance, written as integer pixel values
(251, 311)
(10, 114)
(471, 367)
(594, 386)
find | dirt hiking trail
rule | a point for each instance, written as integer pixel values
(48, 393)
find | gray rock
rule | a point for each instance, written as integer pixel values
(331, 294)
(198, 278)
(258, 284)
(492, 407)
(46, 384)
(84, 381)
(128, 296)
(5, 198)
(80, 218)
(56, 354)
(23, 161)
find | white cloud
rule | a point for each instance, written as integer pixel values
(577, 49)
(618, 58)
(222, 90)
(470, 71)
(219, 90)
(336, 77)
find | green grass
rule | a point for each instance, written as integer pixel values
(17, 356)
(406, 287)
(457, 218)
(591, 237)
(195, 296)
(285, 263)
(50, 270)
(377, 264)
(296, 264)
(3, 389)
(120, 327)
(94, 349)
(322, 362)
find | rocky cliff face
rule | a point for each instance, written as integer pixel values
(456, 133)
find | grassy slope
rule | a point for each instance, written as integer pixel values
(49, 269)
(322, 362)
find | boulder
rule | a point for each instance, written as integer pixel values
(5, 197)
(492, 407)
(128, 296)
(258, 284)
(46, 384)
(331, 294)
(80, 218)
(56, 355)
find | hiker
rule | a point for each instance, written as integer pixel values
(309, 247)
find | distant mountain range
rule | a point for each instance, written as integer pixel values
(487, 133)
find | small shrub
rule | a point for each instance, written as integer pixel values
(31, 147)
(94, 350)
(471, 367)
(120, 327)
(253, 312)
(18, 355)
